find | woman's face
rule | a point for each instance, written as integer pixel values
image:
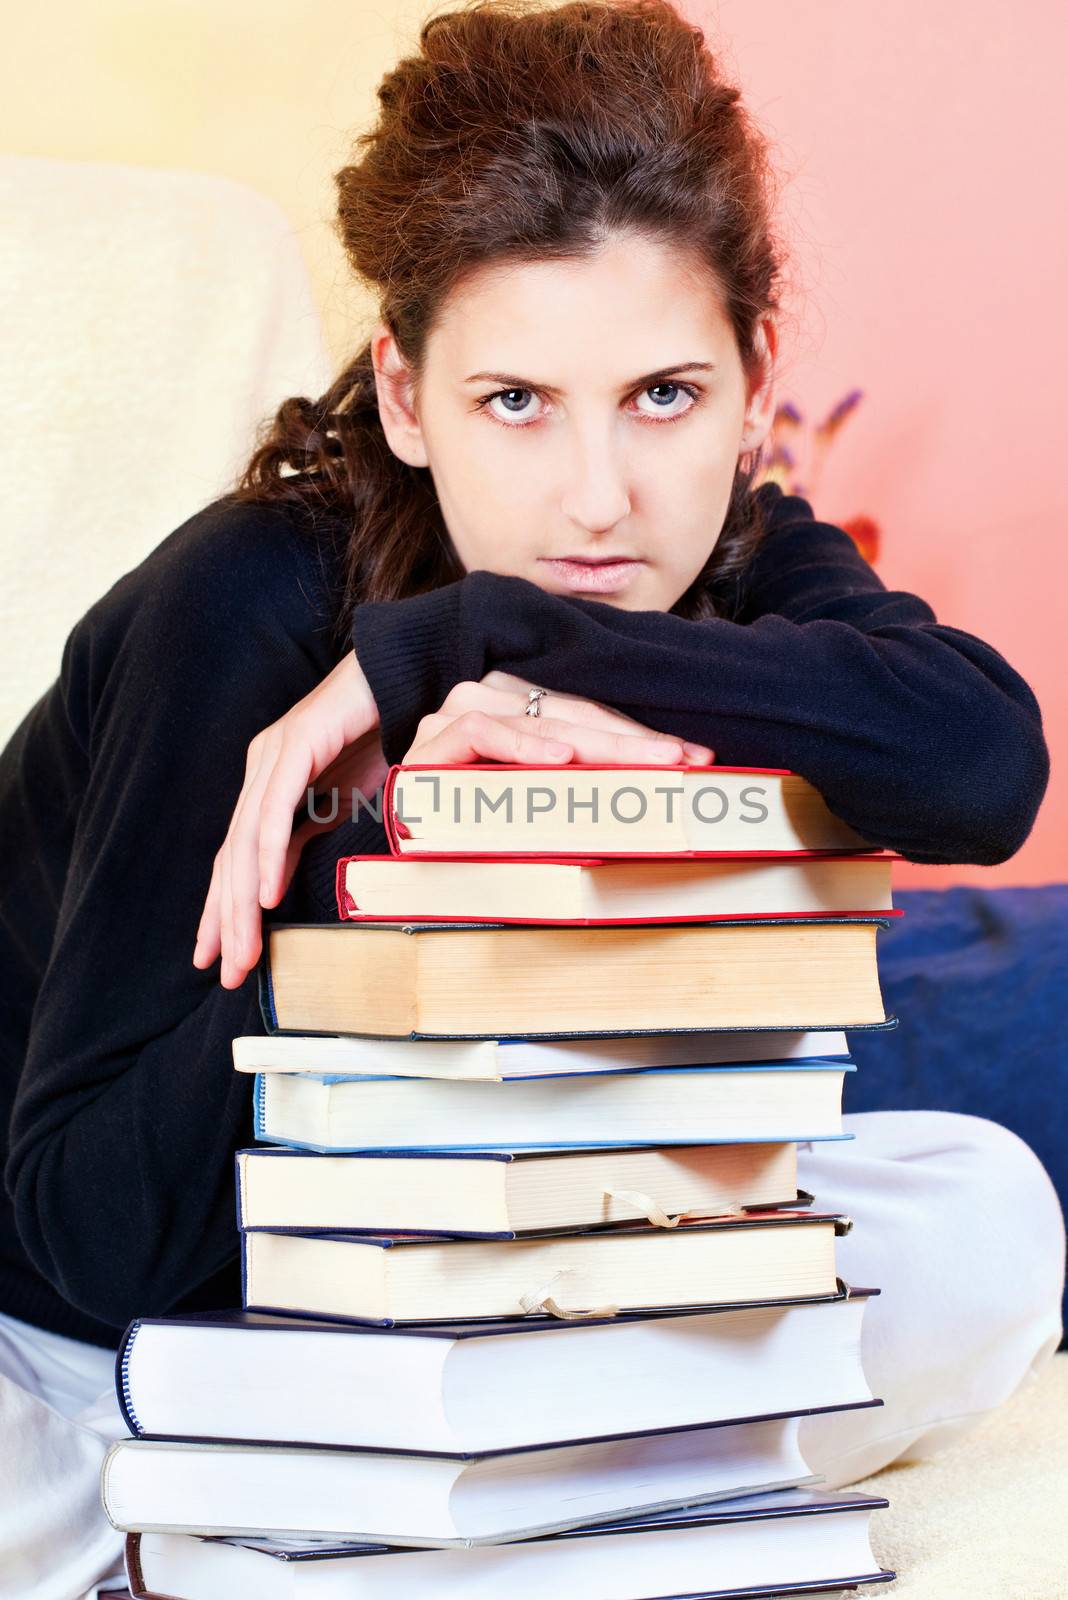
(582, 421)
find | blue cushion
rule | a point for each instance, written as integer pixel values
(976, 978)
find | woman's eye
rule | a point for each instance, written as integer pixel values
(664, 408)
(516, 411)
(512, 401)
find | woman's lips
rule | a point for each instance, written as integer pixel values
(606, 577)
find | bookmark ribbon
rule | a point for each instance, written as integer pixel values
(542, 1300)
(657, 1215)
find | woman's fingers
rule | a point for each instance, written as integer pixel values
(286, 786)
(253, 866)
(476, 735)
(241, 929)
(256, 859)
(593, 743)
(504, 694)
(208, 943)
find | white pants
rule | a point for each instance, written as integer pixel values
(955, 1220)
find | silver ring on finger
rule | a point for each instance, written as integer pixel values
(534, 699)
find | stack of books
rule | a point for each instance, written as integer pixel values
(531, 1296)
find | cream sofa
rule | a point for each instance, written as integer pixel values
(151, 319)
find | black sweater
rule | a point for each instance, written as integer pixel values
(117, 1094)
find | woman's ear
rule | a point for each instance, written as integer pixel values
(395, 388)
(760, 406)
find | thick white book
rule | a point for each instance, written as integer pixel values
(478, 1387)
(792, 1542)
(434, 1501)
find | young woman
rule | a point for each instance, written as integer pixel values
(538, 473)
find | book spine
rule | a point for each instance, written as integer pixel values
(264, 986)
(243, 1245)
(587, 766)
(355, 915)
(258, 1087)
(395, 828)
(134, 1576)
(238, 1195)
(122, 1379)
(346, 905)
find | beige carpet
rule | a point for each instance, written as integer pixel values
(987, 1519)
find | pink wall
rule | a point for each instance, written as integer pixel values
(925, 148)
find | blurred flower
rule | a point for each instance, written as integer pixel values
(864, 532)
(784, 445)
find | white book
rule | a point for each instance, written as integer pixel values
(495, 1059)
(764, 1255)
(796, 1541)
(432, 1501)
(477, 1387)
(497, 1194)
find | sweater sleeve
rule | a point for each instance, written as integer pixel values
(919, 736)
(128, 1110)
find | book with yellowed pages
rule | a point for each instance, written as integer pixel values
(766, 1255)
(407, 980)
(498, 1194)
(605, 808)
(541, 889)
(497, 1060)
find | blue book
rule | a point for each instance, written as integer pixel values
(757, 1102)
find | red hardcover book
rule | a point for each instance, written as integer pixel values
(487, 888)
(744, 812)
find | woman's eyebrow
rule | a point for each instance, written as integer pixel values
(511, 380)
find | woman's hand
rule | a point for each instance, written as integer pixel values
(329, 738)
(487, 721)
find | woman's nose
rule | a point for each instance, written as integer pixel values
(596, 494)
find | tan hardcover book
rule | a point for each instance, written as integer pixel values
(485, 980)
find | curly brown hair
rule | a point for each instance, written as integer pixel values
(523, 133)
